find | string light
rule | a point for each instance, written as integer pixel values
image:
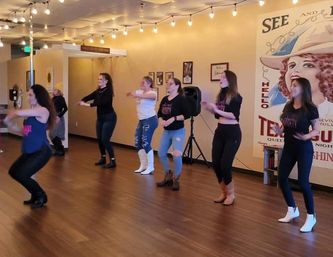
(102, 40)
(211, 14)
(295, 1)
(141, 28)
(234, 12)
(173, 22)
(47, 10)
(189, 22)
(155, 30)
(34, 10)
(125, 32)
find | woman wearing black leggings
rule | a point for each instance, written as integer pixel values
(106, 117)
(298, 115)
(36, 150)
(227, 136)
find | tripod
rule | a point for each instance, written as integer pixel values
(188, 151)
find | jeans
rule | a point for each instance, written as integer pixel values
(302, 153)
(104, 130)
(144, 133)
(226, 141)
(27, 165)
(176, 138)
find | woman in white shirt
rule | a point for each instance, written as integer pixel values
(148, 122)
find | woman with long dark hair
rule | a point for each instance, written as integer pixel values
(146, 102)
(106, 117)
(298, 115)
(36, 150)
(172, 113)
(227, 136)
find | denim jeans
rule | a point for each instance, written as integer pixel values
(104, 130)
(302, 153)
(27, 165)
(176, 138)
(144, 133)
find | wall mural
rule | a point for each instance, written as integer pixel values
(293, 43)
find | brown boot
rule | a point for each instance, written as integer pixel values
(223, 194)
(230, 194)
(167, 181)
(175, 185)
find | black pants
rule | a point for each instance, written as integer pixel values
(302, 153)
(26, 166)
(104, 130)
(226, 142)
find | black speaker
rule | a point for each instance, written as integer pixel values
(193, 98)
(13, 94)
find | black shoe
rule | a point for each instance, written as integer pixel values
(39, 202)
(102, 161)
(110, 165)
(175, 185)
(59, 153)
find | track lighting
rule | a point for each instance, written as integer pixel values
(189, 22)
(173, 22)
(234, 12)
(155, 30)
(211, 14)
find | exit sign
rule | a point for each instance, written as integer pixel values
(27, 49)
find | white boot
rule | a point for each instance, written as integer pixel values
(292, 213)
(143, 161)
(309, 223)
(150, 166)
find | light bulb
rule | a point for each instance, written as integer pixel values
(47, 11)
(173, 22)
(261, 2)
(189, 22)
(125, 32)
(141, 28)
(23, 42)
(6, 26)
(74, 44)
(234, 12)
(45, 26)
(34, 11)
(102, 41)
(155, 30)
(91, 40)
(211, 14)
(295, 1)
(45, 46)
(113, 36)
(15, 19)
(22, 19)
(61, 1)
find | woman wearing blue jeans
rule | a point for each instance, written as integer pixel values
(172, 113)
(146, 102)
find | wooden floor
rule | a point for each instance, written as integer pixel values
(94, 212)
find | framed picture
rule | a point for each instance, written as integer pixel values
(169, 75)
(49, 79)
(152, 76)
(28, 83)
(159, 78)
(216, 69)
(187, 72)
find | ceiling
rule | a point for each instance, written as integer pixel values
(76, 20)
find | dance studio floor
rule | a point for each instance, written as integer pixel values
(94, 212)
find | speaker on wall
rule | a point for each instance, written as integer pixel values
(193, 97)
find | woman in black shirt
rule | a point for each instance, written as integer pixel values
(106, 117)
(298, 115)
(227, 136)
(172, 113)
(58, 133)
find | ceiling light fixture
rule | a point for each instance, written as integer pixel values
(91, 40)
(15, 19)
(62, 1)
(6, 26)
(125, 32)
(211, 14)
(261, 2)
(295, 1)
(45, 26)
(45, 46)
(173, 22)
(102, 40)
(113, 35)
(189, 22)
(141, 28)
(234, 11)
(23, 42)
(34, 10)
(47, 10)
(22, 19)
(155, 30)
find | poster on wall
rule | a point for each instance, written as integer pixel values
(294, 43)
